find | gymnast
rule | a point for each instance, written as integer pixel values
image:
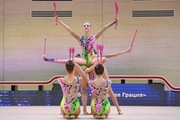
(100, 88)
(70, 105)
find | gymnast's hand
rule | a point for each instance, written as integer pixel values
(48, 59)
(116, 18)
(43, 56)
(119, 112)
(56, 17)
(87, 70)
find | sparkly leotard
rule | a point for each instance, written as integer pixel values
(100, 104)
(70, 102)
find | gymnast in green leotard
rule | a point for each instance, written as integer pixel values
(100, 105)
(100, 88)
(70, 105)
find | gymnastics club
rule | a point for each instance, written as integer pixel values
(73, 50)
(101, 48)
(70, 50)
(54, 4)
(44, 46)
(117, 9)
(97, 48)
(134, 38)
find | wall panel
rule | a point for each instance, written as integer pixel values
(155, 51)
(1, 40)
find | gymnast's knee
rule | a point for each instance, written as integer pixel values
(84, 88)
(83, 91)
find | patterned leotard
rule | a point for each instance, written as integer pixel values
(87, 48)
(70, 102)
(100, 104)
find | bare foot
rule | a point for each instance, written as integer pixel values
(72, 116)
(119, 112)
(100, 117)
(67, 116)
(86, 113)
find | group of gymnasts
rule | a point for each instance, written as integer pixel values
(87, 70)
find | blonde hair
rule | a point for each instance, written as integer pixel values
(88, 23)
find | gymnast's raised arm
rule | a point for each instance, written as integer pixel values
(76, 36)
(83, 74)
(106, 27)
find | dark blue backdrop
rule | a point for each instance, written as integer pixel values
(127, 94)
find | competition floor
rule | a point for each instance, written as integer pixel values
(52, 113)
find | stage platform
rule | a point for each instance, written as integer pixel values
(53, 113)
